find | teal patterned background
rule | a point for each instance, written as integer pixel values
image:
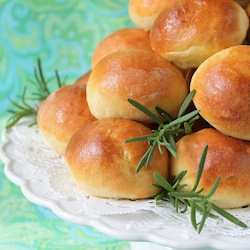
(63, 34)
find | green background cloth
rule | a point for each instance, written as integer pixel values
(63, 34)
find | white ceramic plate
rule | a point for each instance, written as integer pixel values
(45, 180)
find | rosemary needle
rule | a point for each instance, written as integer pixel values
(25, 108)
(194, 199)
(166, 132)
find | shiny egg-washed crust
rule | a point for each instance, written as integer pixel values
(62, 113)
(126, 38)
(103, 165)
(140, 75)
(227, 157)
(222, 85)
(187, 32)
(144, 12)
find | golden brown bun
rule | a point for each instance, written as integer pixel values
(127, 38)
(104, 166)
(187, 32)
(84, 78)
(140, 75)
(144, 12)
(62, 114)
(227, 157)
(222, 85)
(248, 14)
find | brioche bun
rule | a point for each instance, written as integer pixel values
(103, 165)
(84, 78)
(144, 12)
(140, 75)
(222, 85)
(62, 113)
(126, 38)
(187, 32)
(227, 157)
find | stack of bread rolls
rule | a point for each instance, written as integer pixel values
(176, 46)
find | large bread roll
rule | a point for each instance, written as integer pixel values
(144, 12)
(187, 32)
(126, 38)
(62, 113)
(103, 165)
(227, 157)
(222, 85)
(141, 75)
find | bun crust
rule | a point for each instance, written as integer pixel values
(103, 165)
(144, 12)
(186, 32)
(127, 38)
(136, 74)
(62, 113)
(227, 157)
(83, 79)
(222, 85)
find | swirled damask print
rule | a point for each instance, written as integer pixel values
(63, 34)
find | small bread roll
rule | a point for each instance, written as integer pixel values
(248, 14)
(140, 75)
(187, 32)
(84, 78)
(103, 165)
(222, 85)
(144, 12)
(227, 157)
(126, 38)
(62, 113)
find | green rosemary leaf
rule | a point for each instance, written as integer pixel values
(164, 183)
(150, 153)
(200, 168)
(183, 118)
(228, 216)
(186, 103)
(145, 111)
(179, 177)
(171, 140)
(160, 196)
(141, 138)
(164, 114)
(187, 128)
(214, 188)
(205, 215)
(143, 161)
(193, 215)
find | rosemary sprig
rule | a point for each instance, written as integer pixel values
(167, 132)
(26, 107)
(194, 199)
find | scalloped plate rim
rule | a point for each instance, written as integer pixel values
(100, 225)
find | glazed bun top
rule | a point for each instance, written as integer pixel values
(187, 32)
(104, 165)
(140, 75)
(126, 38)
(222, 85)
(62, 113)
(144, 12)
(227, 158)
